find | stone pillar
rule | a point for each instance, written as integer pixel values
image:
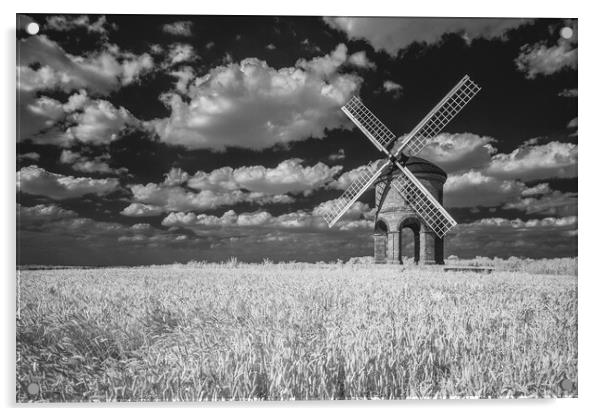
(427, 247)
(380, 248)
(393, 255)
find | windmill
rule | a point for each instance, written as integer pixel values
(398, 152)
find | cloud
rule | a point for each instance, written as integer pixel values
(530, 162)
(360, 60)
(175, 177)
(343, 181)
(184, 76)
(473, 188)
(289, 176)
(499, 237)
(180, 52)
(546, 202)
(37, 181)
(572, 124)
(37, 215)
(539, 59)
(395, 33)
(299, 221)
(83, 163)
(251, 105)
(137, 209)
(339, 155)
(568, 93)
(29, 156)
(81, 120)
(180, 28)
(175, 198)
(393, 88)
(53, 235)
(99, 72)
(67, 23)
(460, 151)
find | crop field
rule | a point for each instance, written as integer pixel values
(294, 331)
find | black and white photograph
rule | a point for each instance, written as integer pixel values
(295, 208)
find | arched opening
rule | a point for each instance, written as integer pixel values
(409, 239)
(380, 241)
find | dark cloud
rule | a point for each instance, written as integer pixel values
(395, 33)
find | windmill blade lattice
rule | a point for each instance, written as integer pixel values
(369, 124)
(359, 185)
(423, 203)
(436, 120)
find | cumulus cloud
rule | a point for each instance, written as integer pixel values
(547, 202)
(137, 209)
(473, 188)
(501, 237)
(81, 163)
(67, 23)
(179, 28)
(168, 197)
(40, 214)
(29, 156)
(251, 105)
(296, 221)
(540, 59)
(550, 237)
(37, 181)
(99, 122)
(460, 151)
(343, 181)
(530, 162)
(360, 60)
(176, 176)
(89, 121)
(180, 52)
(339, 155)
(52, 235)
(99, 72)
(184, 76)
(395, 33)
(289, 176)
(393, 88)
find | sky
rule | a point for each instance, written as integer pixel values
(161, 139)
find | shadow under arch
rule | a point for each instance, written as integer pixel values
(413, 223)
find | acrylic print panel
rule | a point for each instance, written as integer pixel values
(172, 177)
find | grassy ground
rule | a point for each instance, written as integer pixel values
(277, 331)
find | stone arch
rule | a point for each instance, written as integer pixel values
(414, 224)
(381, 231)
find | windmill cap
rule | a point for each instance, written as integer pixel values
(418, 166)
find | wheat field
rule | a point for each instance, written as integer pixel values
(293, 331)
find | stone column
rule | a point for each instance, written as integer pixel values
(427, 247)
(393, 247)
(380, 248)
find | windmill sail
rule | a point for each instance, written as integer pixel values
(423, 202)
(438, 117)
(364, 180)
(369, 124)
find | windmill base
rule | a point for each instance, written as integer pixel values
(428, 248)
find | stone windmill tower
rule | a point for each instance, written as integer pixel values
(409, 190)
(393, 214)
